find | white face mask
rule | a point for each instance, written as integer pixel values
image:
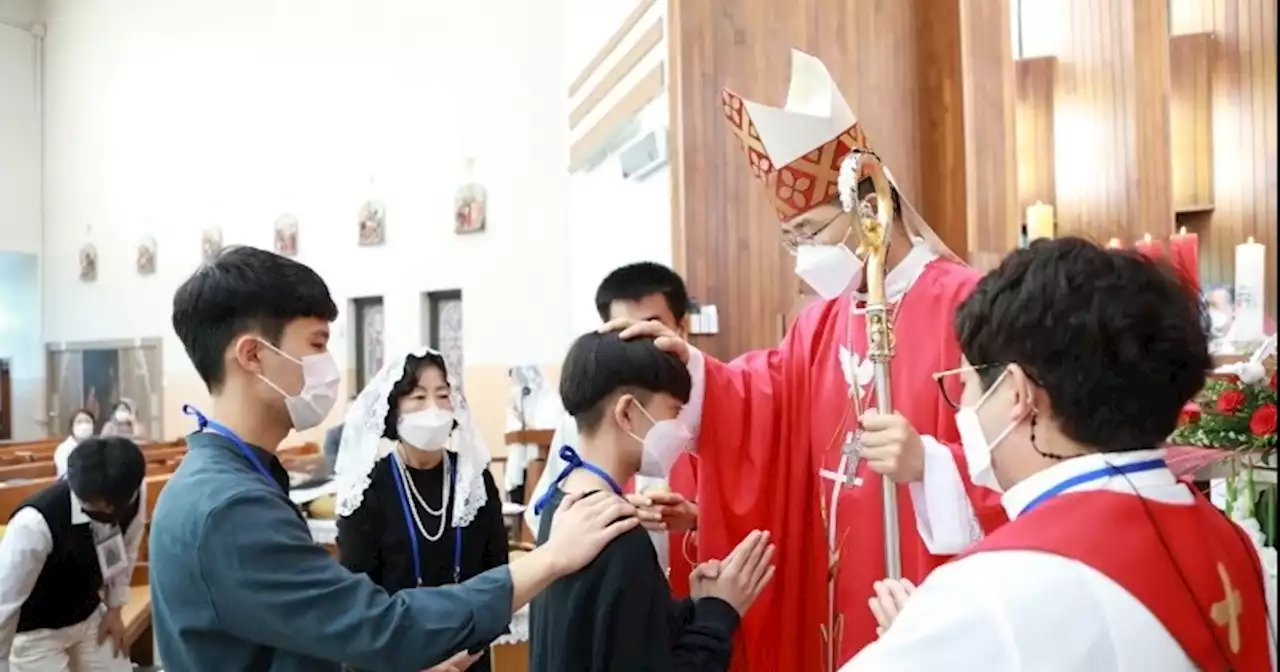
(829, 269)
(661, 446)
(319, 393)
(82, 430)
(122, 415)
(977, 450)
(426, 430)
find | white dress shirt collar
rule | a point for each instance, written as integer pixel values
(1018, 497)
(78, 516)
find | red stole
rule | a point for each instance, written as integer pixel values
(1115, 534)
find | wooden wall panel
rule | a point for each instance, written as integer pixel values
(1111, 127)
(1191, 121)
(726, 235)
(1244, 130)
(988, 132)
(1034, 131)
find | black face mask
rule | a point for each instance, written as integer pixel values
(117, 516)
(106, 517)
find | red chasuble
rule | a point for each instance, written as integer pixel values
(1221, 623)
(771, 420)
(682, 546)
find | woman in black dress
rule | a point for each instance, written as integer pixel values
(416, 502)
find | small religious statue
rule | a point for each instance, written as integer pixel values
(287, 235)
(146, 261)
(210, 244)
(373, 222)
(469, 203)
(88, 263)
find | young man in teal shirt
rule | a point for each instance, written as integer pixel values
(236, 581)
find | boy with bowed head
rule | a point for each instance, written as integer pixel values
(617, 614)
(237, 582)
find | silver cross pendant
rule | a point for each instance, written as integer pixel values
(852, 449)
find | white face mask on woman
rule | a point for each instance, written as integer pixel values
(662, 446)
(82, 429)
(427, 429)
(319, 393)
(977, 450)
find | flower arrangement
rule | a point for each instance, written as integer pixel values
(1232, 414)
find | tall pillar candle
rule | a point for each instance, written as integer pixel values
(1039, 221)
(1251, 283)
(1184, 252)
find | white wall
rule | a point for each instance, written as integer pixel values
(612, 220)
(164, 118)
(615, 221)
(20, 342)
(19, 138)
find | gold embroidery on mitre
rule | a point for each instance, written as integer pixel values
(806, 182)
(1226, 613)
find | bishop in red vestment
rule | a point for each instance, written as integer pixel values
(772, 426)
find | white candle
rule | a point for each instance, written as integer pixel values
(1251, 282)
(1039, 221)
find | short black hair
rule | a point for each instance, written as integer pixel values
(244, 289)
(106, 469)
(600, 365)
(413, 368)
(1117, 341)
(71, 425)
(636, 281)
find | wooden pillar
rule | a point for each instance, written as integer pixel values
(991, 182)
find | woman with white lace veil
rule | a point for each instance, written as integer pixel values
(417, 505)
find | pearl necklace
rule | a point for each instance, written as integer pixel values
(444, 499)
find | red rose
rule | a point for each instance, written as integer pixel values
(1190, 414)
(1230, 401)
(1263, 421)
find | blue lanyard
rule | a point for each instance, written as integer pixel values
(203, 423)
(1095, 475)
(572, 461)
(413, 532)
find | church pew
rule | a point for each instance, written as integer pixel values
(27, 471)
(138, 637)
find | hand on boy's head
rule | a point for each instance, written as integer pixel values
(663, 336)
(584, 524)
(745, 573)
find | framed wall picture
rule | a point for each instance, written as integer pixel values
(373, 223)
(287, 235)
(210, 244)
(88, 263)
(469, 208)
(146, 256)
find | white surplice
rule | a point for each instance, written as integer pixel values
(1027, 611)
(24, 548)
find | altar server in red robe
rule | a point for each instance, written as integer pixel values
(771, 425)
(1078, 361)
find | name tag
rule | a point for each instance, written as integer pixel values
(112, 559)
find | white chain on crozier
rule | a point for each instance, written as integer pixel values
(444, 499)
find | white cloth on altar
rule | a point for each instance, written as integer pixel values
(1011, 611)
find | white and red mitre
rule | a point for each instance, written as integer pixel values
(796, 151)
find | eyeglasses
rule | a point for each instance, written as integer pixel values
(792, 242)
(940, 377)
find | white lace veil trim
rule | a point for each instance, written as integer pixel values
(363, 446)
